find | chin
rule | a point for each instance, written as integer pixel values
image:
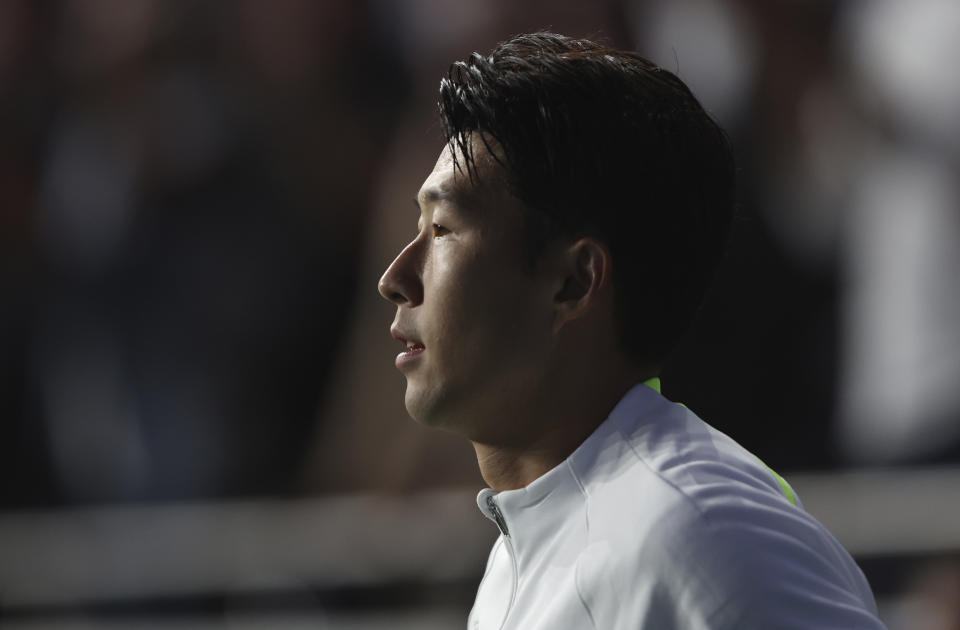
(417, 407)
(427, 410)
(426, 417)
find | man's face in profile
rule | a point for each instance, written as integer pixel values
(475, 319)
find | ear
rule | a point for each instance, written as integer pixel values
(586, 267)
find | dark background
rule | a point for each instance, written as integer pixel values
(197, 199)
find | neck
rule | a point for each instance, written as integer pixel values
(554, 431)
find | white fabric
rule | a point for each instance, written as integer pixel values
(658, 521)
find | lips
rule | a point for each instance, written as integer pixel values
(406, 338)
(413, 347)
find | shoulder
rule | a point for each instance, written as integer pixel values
(668, 471)
(686, 520)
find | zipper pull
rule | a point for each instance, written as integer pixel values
(497, 516)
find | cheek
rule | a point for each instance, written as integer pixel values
(493, 310)
(482, 302)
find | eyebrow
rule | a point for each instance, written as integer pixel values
(430, 195)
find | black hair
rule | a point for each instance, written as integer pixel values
(602, 142)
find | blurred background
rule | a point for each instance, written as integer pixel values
(200, 421)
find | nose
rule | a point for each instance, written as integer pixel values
(402, 282)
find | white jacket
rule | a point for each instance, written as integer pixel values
(658, 521)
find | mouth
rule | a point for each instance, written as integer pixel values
(412, 348)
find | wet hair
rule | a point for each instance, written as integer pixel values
(602, 142)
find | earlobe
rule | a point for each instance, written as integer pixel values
(586, 266)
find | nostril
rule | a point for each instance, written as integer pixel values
(400, 284)
(392, 292)
(388, 291)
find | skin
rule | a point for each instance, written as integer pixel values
(524, 363)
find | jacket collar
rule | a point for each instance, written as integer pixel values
(531, 516)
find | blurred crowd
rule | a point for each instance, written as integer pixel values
(185, 189)
(197, 198)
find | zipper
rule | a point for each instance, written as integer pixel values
(508, 543)
(498, 516)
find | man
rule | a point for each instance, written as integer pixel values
(567, 235)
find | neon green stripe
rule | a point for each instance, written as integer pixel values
(654, 384)
(787, 490)
(786, 486)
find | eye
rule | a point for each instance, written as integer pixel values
(439, 230)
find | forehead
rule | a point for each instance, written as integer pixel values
(450, 181)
